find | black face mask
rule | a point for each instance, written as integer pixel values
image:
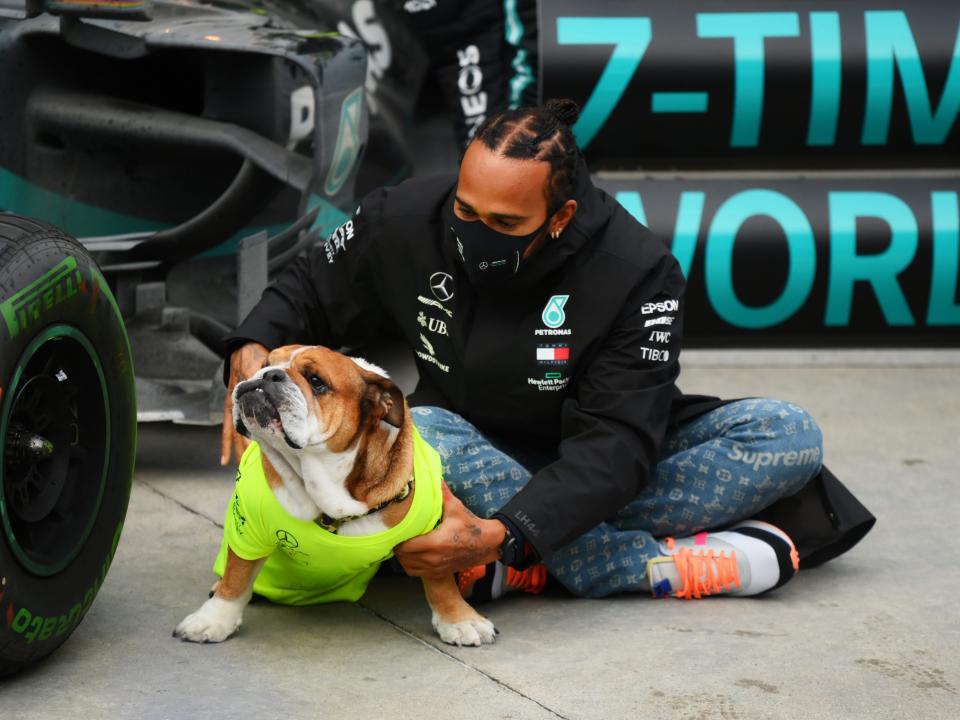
(490, 258)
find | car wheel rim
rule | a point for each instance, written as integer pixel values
(54, 445)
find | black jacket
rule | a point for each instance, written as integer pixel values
(580, 353)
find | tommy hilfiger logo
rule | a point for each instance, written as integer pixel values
(553, 354)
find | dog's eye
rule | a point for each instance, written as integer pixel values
(318, 385)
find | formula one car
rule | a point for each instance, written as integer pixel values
(192, 150)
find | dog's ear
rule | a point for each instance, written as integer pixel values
(384, 399)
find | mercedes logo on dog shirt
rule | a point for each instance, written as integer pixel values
(286, 540)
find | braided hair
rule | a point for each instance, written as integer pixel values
(539, 133)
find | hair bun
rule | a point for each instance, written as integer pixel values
(564, 109)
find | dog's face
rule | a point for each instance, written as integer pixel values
(308, 399)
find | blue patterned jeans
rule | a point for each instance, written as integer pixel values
(719, 468)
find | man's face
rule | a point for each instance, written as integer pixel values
(505, 194)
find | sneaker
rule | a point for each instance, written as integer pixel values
(483, 583)
(750, 558)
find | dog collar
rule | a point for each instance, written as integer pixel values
(333, 524)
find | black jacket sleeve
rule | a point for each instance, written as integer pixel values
(613, 423)
(327, 296)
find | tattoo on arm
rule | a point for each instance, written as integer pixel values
(469, 544)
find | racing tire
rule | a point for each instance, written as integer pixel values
(67, 436)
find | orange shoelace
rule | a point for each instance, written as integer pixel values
(530, 580)
(705, 572)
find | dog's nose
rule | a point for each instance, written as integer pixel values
(274, 375)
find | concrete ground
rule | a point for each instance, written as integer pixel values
(874, 634)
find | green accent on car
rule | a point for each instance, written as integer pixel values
(18, 195)
(347, 149)
(81, 220)
(330, 216)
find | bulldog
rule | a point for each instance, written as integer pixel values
(337, 476)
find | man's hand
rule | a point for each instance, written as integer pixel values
(244, 363)
(460, 541)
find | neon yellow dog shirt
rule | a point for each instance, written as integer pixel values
(305, 563)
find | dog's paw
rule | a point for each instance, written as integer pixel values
(214, 622)
(473, 631)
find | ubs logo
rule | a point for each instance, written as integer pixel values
(432, 324)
